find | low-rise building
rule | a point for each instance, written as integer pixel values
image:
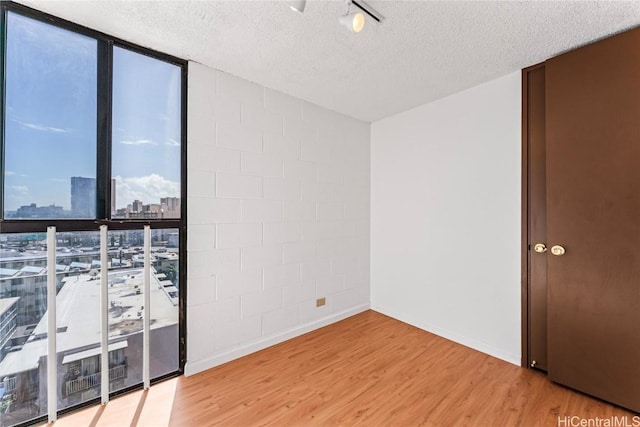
(24, 371)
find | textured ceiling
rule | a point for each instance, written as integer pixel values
(423, 50)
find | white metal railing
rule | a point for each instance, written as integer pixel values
(146, 329)
(104, 313)
(9, 384)
(52, 368)
(118, 372)
(7, 327)
(93, 380)
(82, 383)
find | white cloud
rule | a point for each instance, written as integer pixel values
(20, 189)
(39, 127)
(9, 173)
(148, 189)
(16, 196)
(172, 143)
(137, 142)
(45, 128)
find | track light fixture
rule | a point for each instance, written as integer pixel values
(353, 19)
(297, 5)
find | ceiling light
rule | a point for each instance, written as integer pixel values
(353, 21)
(353, 18)
(297, 5)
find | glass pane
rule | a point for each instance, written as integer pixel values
(126, 302)
(50, 122)
(146, 137)
(125, 307)
(23, 327)
(165, 285)
(78, 317)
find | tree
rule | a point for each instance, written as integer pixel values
(171, 273)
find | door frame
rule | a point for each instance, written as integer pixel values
(525, 206)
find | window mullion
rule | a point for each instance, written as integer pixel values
(104, 110)
(3, 49)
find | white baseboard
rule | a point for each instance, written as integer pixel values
(192, 368)
(452, 336)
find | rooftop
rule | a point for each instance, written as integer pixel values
(6, 303)
(7, 272)
(78, 310)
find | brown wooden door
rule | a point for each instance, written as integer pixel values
(593, 211)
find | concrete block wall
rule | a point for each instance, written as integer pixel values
(278, 216)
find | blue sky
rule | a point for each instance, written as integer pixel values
(50, 118)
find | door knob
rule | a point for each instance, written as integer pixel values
(557, 250)
(540, 248)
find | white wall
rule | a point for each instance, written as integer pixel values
(445, 217)
(278, 215)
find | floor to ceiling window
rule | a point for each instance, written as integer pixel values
(92, 134)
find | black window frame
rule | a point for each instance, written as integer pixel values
(105, 45)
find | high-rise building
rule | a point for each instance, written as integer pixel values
(113, 197)
(172, 203)
(137, 206)
(83, 197)
(170, 207)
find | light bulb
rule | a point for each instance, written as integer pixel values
(354, 21)
(357, 22)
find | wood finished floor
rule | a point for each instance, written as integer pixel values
(367, 370)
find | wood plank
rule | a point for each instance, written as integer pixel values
(366, 370)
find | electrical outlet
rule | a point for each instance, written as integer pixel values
(320, 302)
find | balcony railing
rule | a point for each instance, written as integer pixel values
(118, 372)
(82, 383)
(9, 384)
(93, 380)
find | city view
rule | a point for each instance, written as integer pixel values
(83, 205)
(50, 140)
(51, 149)
(23, 314)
